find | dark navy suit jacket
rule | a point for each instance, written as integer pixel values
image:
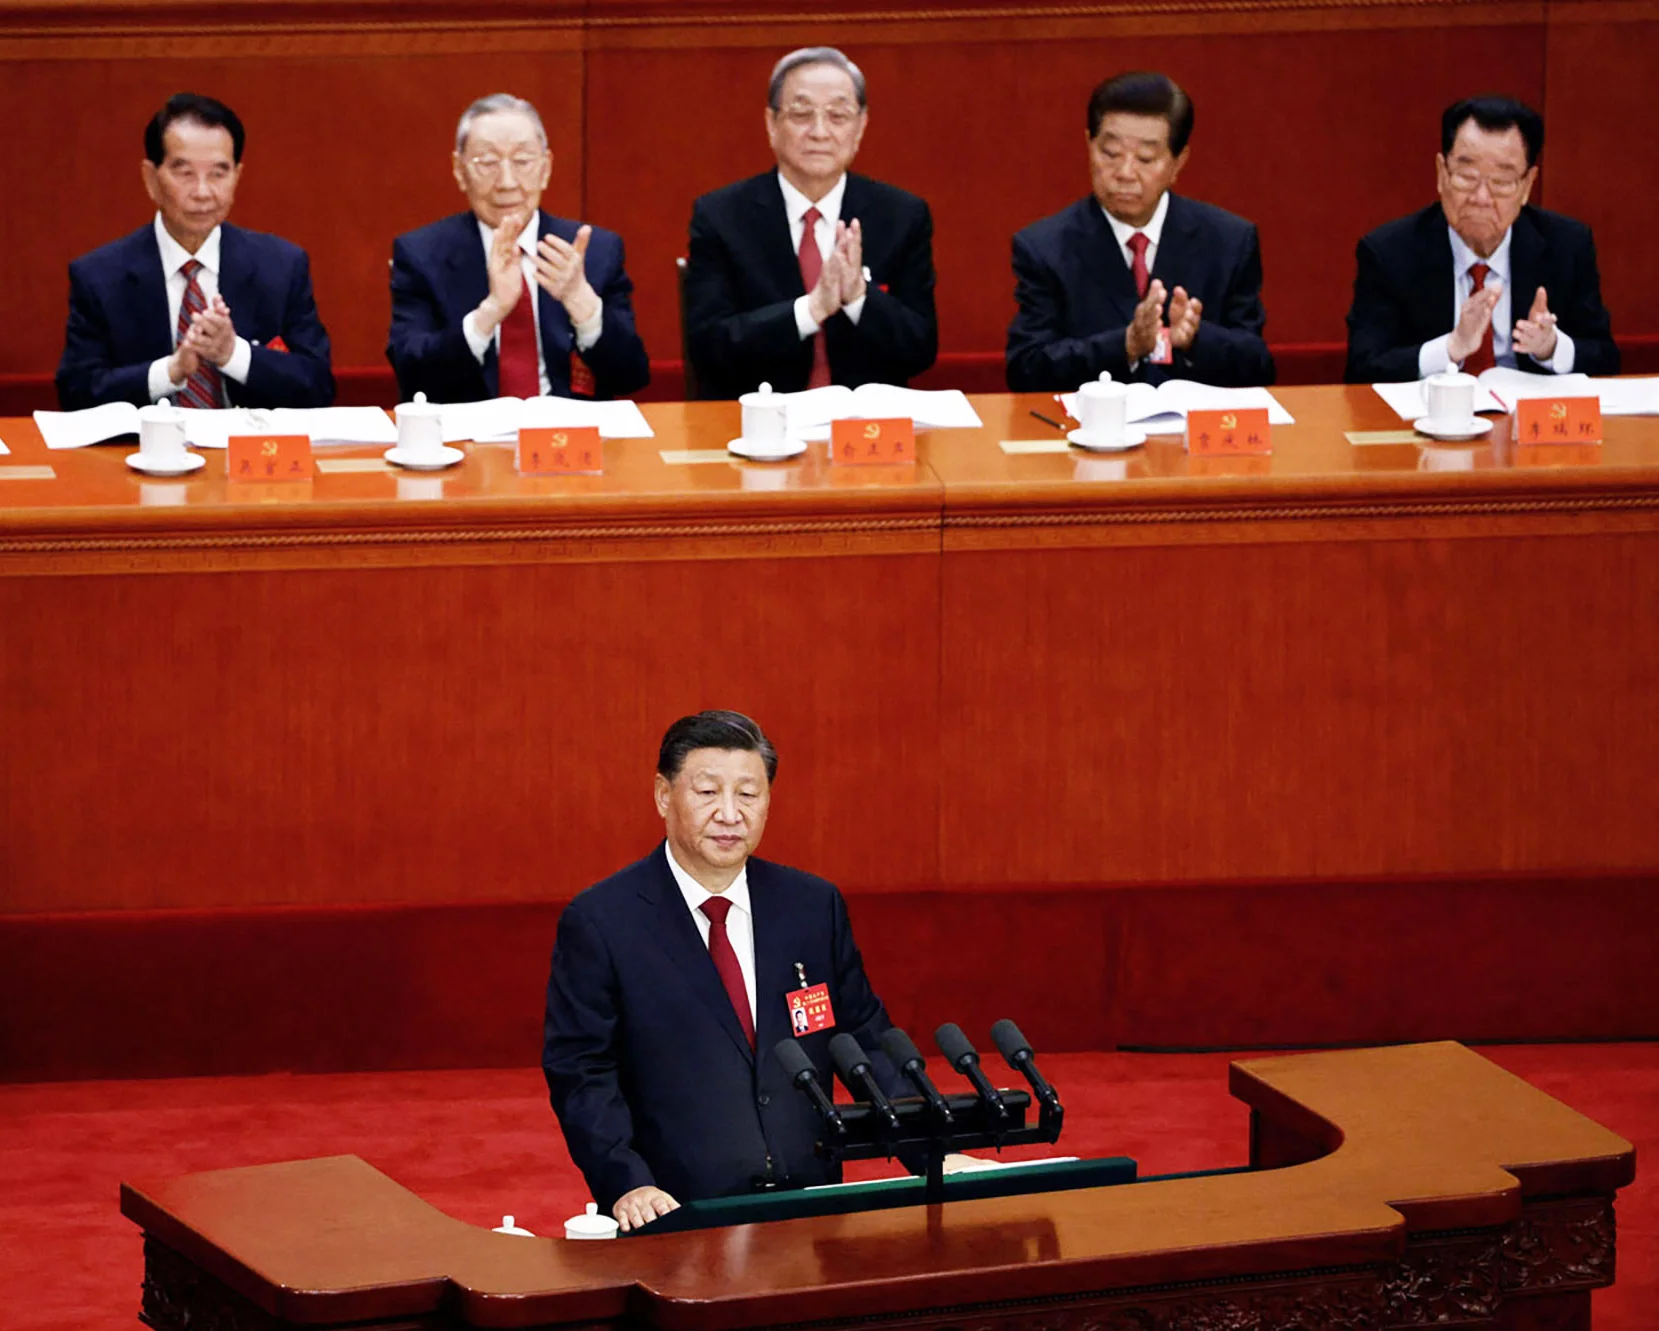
(119, 324)
(1077, 299)
(1403, 292)
(743, 277)
(439, 276)
(651, 1076)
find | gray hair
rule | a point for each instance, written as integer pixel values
(489, 106)
(813, 55)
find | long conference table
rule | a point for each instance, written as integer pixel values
(1392, 1188)
(1364, 657)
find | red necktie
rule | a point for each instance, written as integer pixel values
(725, 961)
(812, 264)
(1137, 246)
(1481, 357)
(202, 389)
(520, 375)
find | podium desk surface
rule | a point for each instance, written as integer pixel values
(1424, 1156)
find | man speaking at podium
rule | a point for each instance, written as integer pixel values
(670, 986)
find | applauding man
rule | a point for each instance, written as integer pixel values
(507, 300)
(1136, 280)
(807, 275)
(1480, 278)
(189, 308)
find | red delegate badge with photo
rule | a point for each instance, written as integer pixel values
(810, 1010)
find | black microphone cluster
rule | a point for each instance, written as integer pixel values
(931, 1120)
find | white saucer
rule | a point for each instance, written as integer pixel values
(790, 448)
(174, 466)
(444, 457)
(1083, 439)
(1472, 428)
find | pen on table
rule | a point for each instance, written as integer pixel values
(1048, 421)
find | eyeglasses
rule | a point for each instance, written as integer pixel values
(1499, 187)
(803, 115)
(488, 166)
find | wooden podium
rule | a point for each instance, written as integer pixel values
(1400, 1187)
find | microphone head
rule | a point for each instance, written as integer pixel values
(900, 1048)
(955, 1046)
(796, 1064)
(1009, 1040)
(849, 1057)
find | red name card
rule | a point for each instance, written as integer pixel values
(1558, 420)
(269, 457)
(860, 443)
(1229, 433)
(560, 452)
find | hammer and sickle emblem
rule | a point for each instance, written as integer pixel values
(1558, 411)
(872, 431)
(268, 448)
(1229, 421)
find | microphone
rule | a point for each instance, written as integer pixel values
(804, 1076)
(854, 1066)
(1017, 1050)
(908, 1059)
(955, 1047)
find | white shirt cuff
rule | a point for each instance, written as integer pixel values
(1433, 358)
(161, 386)
(804, 323)
(855, 308)
(587, 332)
(478, 343)
(240, 362)
(1565, 354)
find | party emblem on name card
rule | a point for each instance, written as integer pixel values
(810, 1010)
(1228, 433)
(269, 457)
(1558, 420)
(546, 451)
(857, 443)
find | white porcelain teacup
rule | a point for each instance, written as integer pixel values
(1450, 398)
(1103, 410)
(420, 428)
(161, 433)
(765, 418)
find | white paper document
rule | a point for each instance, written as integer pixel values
(499, 419)
(213, 429)
(3, 449)
(811, 412)
(1628, 397)
(1164, 409)
(1500, 388)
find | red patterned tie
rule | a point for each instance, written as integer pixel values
(203, 389)
(1481, 357)
(1137, 246)
(812, 264)
(725, 961)
(520, 375)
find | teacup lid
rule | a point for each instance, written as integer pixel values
(762, 395)
(508, 1227)
(419, 409)
(591, 1225)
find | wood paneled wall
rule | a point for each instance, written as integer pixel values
(1317, 120)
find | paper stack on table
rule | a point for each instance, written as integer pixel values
(810, 413)
(213, 429)
(499, 419)
(1163, 410)
(1500, 388)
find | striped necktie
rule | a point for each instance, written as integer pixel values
(205, 388)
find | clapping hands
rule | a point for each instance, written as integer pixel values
(841, 281)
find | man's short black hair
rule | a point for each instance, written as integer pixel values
(1145, 92)
(201, 110)
(1494, 114)
(713, 730)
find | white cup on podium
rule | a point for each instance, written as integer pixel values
(420, 430)
(591, 1225)
(1103, 411)
(161, 434)
(765, 418)
(1450, 399)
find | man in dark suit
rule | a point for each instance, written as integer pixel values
(188, 307)
(1135, 280)
(1480, 278)
(507, 300)
(669, 991)
(808, 275)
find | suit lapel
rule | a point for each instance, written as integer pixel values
(774, 967)
(1526, 266)
(147, 290)
(675, 932)
(771, 230)
(1103, 267)
(557, 334)
(466, 283)
(1180, 257)
(236, 277)
(1437, 283)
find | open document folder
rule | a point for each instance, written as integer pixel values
(1500, 388)
(1163, 410)
(213, 429)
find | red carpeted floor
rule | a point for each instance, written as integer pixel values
(480, 1144)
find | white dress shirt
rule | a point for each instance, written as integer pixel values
(795, 206)
(1433, 357)
(740, 921)
(587, 332)
(173, 258)
(1153, 230)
